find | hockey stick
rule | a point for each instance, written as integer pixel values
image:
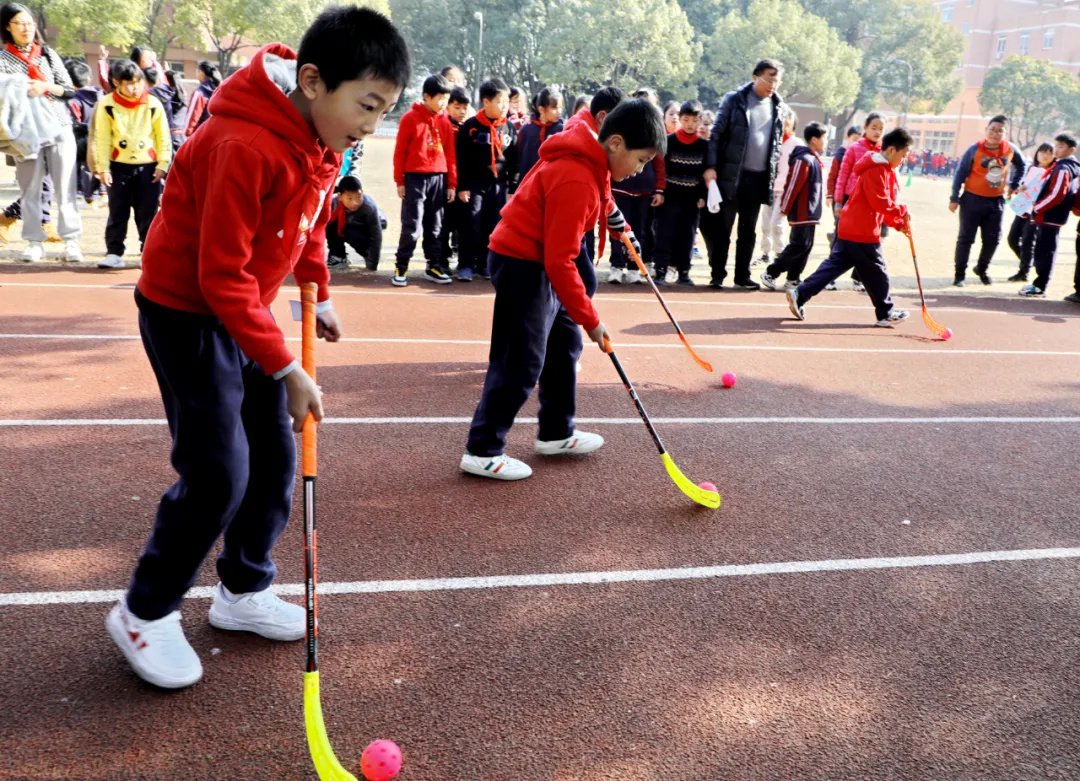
(641, 267)
(705, 498)
(322, 755)
(935, 327)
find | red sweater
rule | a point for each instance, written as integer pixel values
(558, 203)
(246, 204)
(874, 201)
(425, 145)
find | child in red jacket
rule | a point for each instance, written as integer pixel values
(540, 298)
(858, 236)
(425, 172)
(246, 205)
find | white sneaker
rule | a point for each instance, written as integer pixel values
(496, 467)
(672, 276)
(157, 651)
(111, 261)
(858, 286)
(895, 316)
(641, 279)
(767, 280)
(615, 276)
(33, 252)
(791, 284)
(578, 444)
(261, 612)
(73, 252)
(831, 286)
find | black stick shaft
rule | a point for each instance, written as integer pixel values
(310, 575)
(637, 402)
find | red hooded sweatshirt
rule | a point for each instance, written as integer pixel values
(874, 201)
(425, 145)
(247, 202)
(559, 202)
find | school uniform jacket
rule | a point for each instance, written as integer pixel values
(801, 198)
(425, 145)
(1058, 194)
(874, 201)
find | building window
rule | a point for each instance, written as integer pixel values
(1048, 38)
(1000, 47)
(1024, 42)
(941, 141)
(966, 29)
(946, 13)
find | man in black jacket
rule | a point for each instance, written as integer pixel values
(744, 152)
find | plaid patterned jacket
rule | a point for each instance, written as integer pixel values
(53, 68)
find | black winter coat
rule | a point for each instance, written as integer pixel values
(727, 142)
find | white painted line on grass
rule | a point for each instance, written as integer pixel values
(717, 421)
(34, 598)
(943, 350)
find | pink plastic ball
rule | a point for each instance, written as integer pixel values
(706, 486)
(947, 335)
(380, 761)
(728, 379)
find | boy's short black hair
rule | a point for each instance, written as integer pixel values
(445, 72)
(768, 64)
(492, 88)
(582, 102)
(458, 95)
(125, 70)
(998, 118)
(1068, 139)
(153, 76)
(79, 72)
(640, 124)
(606, 99)
(349, 184)
(691, 108)
(646, 92)
(435, 85)
(347, 43)
(897, 138)
(813, 130)
(854, 130)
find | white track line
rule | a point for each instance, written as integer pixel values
(719, 421)
(28, 599)
(943, 350)
(607, 298)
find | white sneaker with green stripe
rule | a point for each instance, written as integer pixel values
(495, 467)
(579, 443)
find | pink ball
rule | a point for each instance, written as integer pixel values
(947, 335)
(707, 486)
(380, 761)
(728, 379)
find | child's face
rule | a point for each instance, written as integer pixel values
(436, 103)
(817, 144)
(1044, 158)
(896, 157)
(515, 102)
(498, 106)
(671, 117)
(852, 138)
(875, 130)
(1063, 150)
(549, 114)
(995, 132)
(457, 111)
(623, 162)
(690, 124)
(351, 200)
(789, 125)
(351, 112)
(130, 89)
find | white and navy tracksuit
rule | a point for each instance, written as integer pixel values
(1050, 212)
(801, 201)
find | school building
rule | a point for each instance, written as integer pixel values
(994, 30)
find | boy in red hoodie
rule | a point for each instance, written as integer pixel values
(426, 176)
(858, 236)
(540, 299)
(263, 167)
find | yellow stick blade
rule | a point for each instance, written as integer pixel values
(710, 499)
(326, 764)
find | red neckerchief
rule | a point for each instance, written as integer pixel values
(33, 71)
(686, 138)
(494, 136)
(142, 100)
(543, 128)
(787, 136)
(1002, 150)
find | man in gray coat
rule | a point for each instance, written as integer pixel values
(744, 151)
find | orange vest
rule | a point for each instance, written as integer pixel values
(989, 170)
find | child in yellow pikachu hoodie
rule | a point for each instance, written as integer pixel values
(132, 150)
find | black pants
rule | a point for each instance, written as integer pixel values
(792, 259)
(357, 238)
(422, 212)
(1022, 241)
(867, 260)
(480, 219)
(450, 239)
(533, 340)
(635, 208)
(978, 214)
(751, 193)
(676, 229)
(1046, 243)
(586, 267)
(235, 455)
(133, 188)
